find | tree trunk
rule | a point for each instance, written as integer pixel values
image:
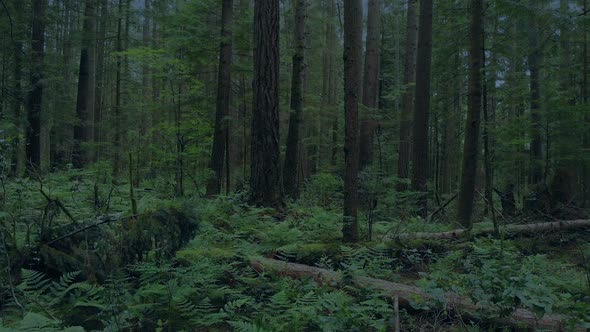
(117, 106)
(84, 129)
(265, 180)
(471, 144)
(101, 79)
(353, 30)
(403, 161)
(534, 62)
(292, 154)
(487, 140)
(36, 94)
(370, 82)
(223, 100)
(17, 101)
(422, 107)
(586, 176)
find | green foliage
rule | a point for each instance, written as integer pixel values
(502, 279)
(324, 190)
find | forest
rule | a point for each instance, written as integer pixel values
(294, 165)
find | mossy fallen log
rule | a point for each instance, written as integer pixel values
(523, 229)
(407, 294)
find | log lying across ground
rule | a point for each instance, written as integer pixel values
(407, 294)
(508, 229)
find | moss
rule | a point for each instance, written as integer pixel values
(309, 253)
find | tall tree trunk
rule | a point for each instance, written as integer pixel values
(534, 62)
(292, 154)
(422, 107)
(101, 78)
(17, 101)
(471, 145)
(353, 30)
(84, 129)
(403, 161)
(370, 82)
(36, 94)
(586, 180)
(223, 100)
(117, 108)
(265, 180)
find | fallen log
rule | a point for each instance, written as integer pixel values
(509, 230)
(407, 294)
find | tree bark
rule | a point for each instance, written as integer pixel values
(353, 20)
(84, 129)
(472, 124)
(422, 107)
(220, 132)
(290, 179)
(403, 161)
(408, 294)
(117, 106)
(101, 78)
(17, 101)
(370, 82)
(534, 62)
(265, 180)
(36, 95)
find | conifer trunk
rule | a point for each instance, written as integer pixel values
(353, 19)
(370, 81)
(403, 161)
(265, 180)
(292, 154)
(471, 145)
(422, 107)
(220, 133)
(36, 95)
(84, 129)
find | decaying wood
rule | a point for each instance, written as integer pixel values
(509, 229)
(406, 294)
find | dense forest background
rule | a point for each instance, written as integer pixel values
(254, 165)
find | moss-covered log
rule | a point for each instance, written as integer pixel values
(407, 294)
(524, 229)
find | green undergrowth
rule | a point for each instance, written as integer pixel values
(208, 285)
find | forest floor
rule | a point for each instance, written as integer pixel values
(190, 270)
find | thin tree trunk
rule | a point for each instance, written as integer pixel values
(353, 19)
(422, 107)
(534, 62)
(471, 145)
(487, 144)
(296, 115)
(403, 161)
(586, 179)
(36, 94)
(101, 78)
(17, 101)
(84, 129)
(265, 180)
(370, 82)
(117, 106)
(223, 100)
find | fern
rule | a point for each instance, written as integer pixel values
(242, 326)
